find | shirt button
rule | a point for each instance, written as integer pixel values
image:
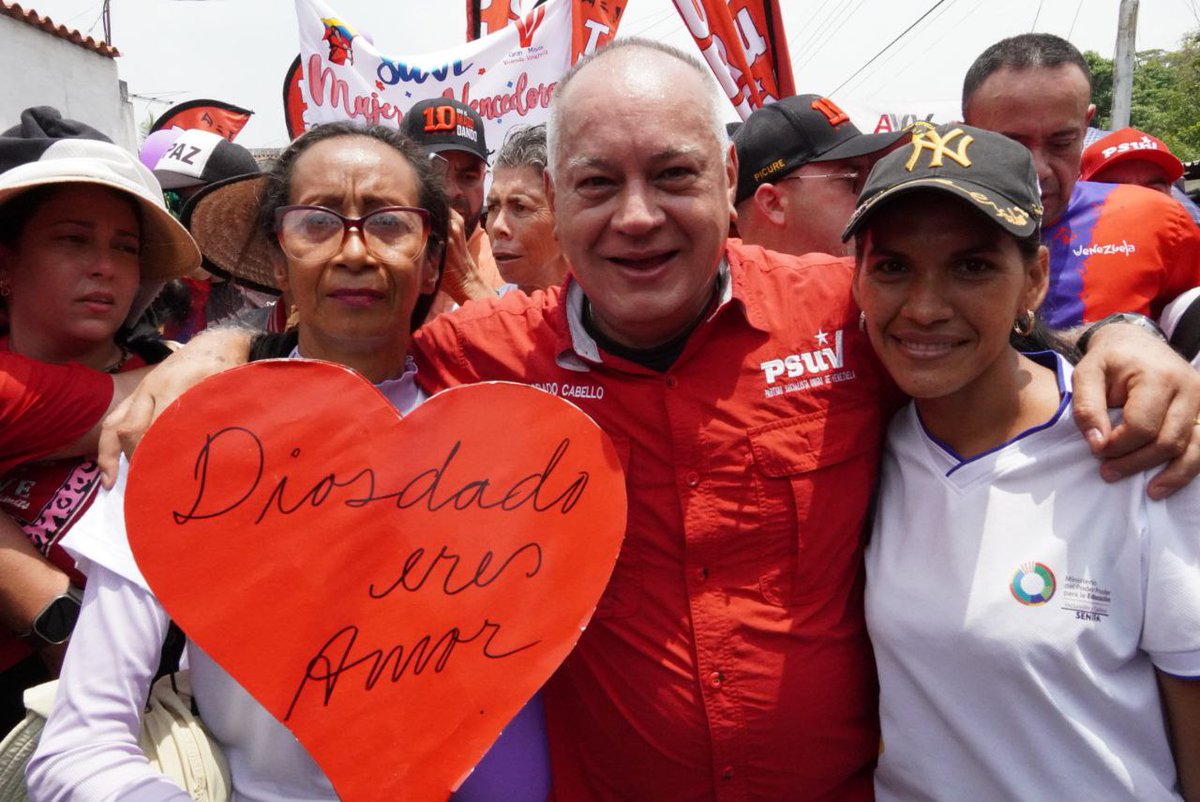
(715, 679)
(727, 773)
(672, 381)
(702, 574)
(692, 478)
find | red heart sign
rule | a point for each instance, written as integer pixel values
(411, 581)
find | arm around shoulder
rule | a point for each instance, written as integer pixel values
(208, 353)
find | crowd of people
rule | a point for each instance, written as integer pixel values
(885, 538)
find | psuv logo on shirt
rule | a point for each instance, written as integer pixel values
(824, 364)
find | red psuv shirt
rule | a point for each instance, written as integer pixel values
(728, 658)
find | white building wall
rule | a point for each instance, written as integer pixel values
(44, 70)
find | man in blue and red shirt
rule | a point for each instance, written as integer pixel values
(1113, 247)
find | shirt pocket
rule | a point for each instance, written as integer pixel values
(622, 595)
(814, 476)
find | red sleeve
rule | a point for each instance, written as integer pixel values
(440, 361)
(45, 407)
(1183, 264)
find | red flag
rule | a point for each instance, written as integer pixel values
(744, 44)
(217, 116)
(594, 22)
(293, 100)
(484, 20)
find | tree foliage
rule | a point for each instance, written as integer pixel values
(1166, 94)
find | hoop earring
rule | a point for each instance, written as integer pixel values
(5, 290)
(862, 321)
(1024, 324)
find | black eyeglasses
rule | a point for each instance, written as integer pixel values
(314, 233)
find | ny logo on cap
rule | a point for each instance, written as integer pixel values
(929, 139)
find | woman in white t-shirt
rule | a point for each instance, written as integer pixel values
(1031, 623)
(353, 219)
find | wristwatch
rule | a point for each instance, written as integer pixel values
(1129, 318)
(56, 621)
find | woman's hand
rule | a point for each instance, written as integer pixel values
(209, 353)
(1160, 396)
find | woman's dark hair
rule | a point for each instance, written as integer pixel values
(431, 192)
(19, 210)
(1041, 337)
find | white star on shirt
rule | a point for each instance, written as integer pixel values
(822, 338)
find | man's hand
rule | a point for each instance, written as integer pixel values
(1160, 395)
(211, 352)
(461, 278)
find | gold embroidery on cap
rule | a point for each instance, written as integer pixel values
(940, 145)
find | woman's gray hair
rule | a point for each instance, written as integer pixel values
(525, 146)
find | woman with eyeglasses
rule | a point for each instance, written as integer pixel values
(354, 220)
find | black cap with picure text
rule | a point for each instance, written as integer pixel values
(790, 133)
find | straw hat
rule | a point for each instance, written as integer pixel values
(167, 251)
(223, 217)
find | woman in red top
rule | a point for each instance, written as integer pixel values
(85, 240)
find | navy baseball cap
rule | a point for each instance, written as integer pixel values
(993, 173)
(794, 131)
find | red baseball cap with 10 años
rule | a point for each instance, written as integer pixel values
(794, 131)
(441, 123)
(1129, 144)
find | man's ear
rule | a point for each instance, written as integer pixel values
(1091, 112)
(771, 204)
(548, 188)
(731, 175)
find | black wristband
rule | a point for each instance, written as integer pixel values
(1130, 318)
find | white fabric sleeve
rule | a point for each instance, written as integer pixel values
(89, 750)
(1171, 565)
(99, 536)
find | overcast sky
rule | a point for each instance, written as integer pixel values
(238, 50)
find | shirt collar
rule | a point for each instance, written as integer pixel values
(402, 392)
(578, 351)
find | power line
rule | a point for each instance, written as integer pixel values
(807, 27)
(1076, 17)
(830, 35)
(889, 45)
(818, 30)
(663, 17)
(871, 73)
(1033, 26)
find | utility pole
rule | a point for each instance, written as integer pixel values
(1123, 63)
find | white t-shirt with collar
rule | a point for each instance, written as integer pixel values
(1018, 606)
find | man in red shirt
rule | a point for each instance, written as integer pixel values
(728, 658)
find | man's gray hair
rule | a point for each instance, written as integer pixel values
(636, 47)
(525, 146)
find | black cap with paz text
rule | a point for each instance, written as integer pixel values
(441, 123)
(794, 131)
(993, 173)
